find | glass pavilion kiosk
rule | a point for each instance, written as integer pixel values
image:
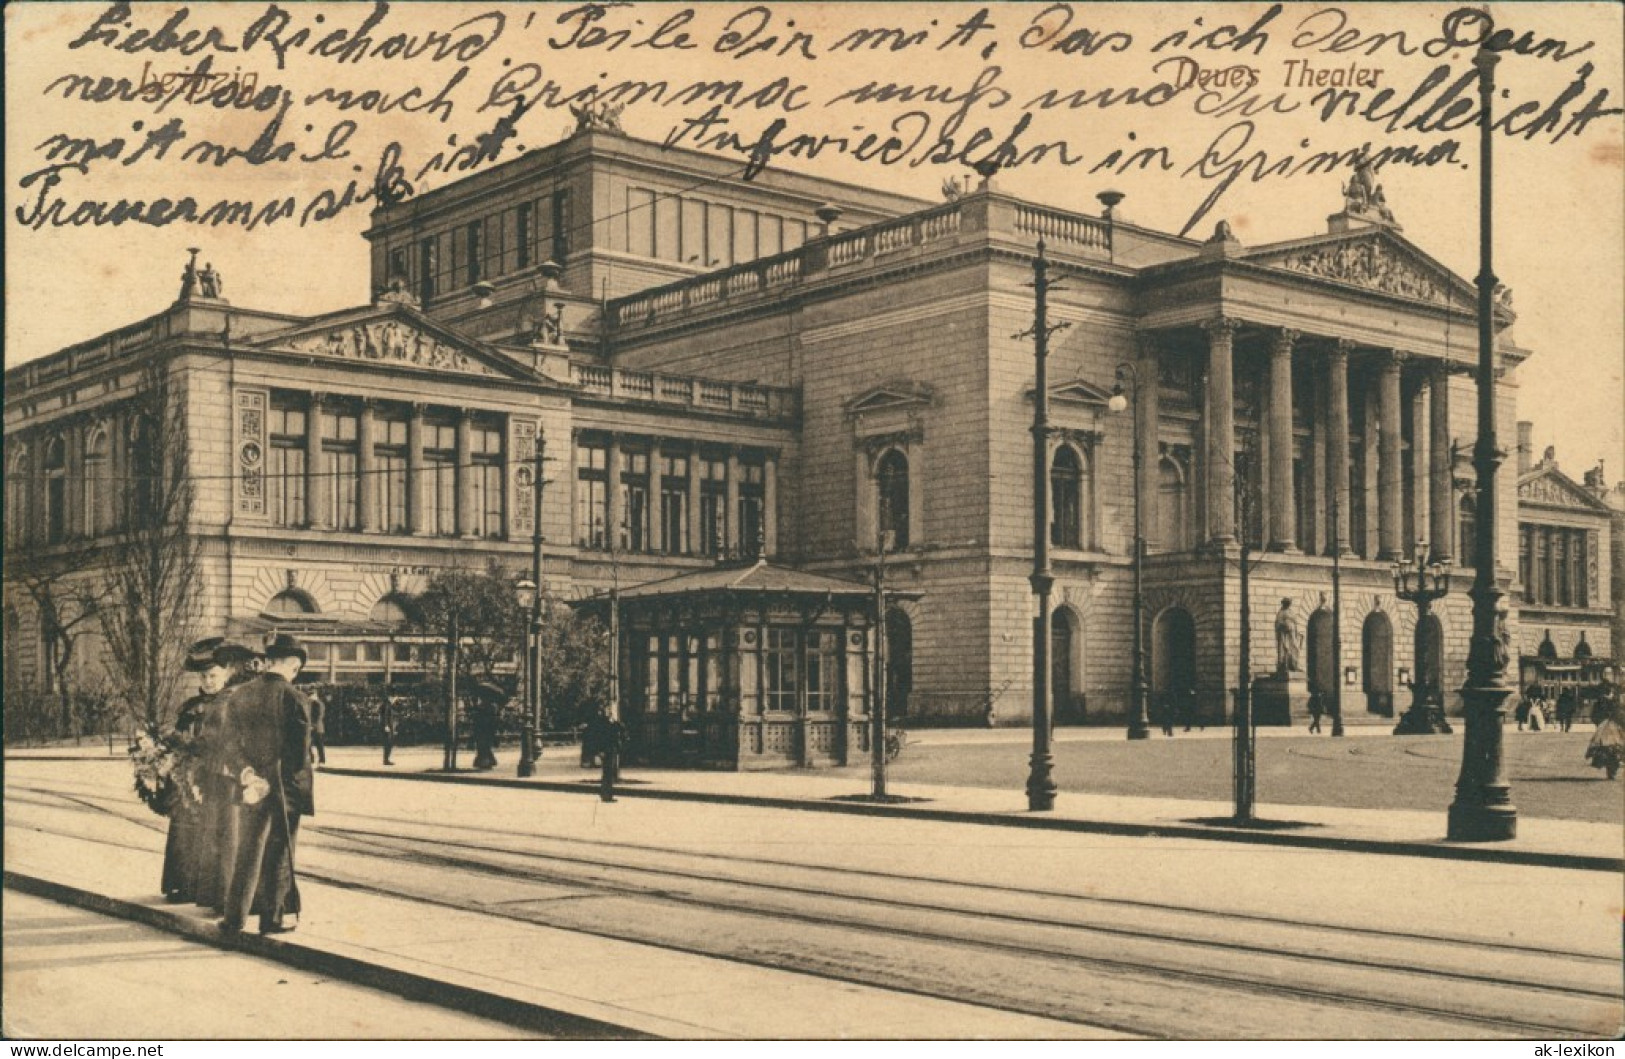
(745, 666)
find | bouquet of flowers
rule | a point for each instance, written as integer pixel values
(164, 776)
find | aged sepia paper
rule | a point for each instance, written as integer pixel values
(150, 140)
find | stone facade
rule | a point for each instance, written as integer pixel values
(821, 362)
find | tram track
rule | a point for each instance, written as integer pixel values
(718, 888)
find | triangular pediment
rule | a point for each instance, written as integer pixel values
(890, 397)
(394, 335)
(1374, 259)
(1077, 391)
(1550, 486)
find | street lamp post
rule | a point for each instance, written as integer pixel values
(877, 738)
(1483, 809)
(530, 738)
(1040, 777)
(1139, 722)
(1337, 623)
(1421, 583)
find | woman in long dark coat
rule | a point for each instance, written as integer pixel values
(182, 850)
(217, 818)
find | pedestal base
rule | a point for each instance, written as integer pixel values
(1482, 823)
(1423, 718)
(1280, 698)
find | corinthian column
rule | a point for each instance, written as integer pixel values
(1283, 507)
(1390, 506)
(1337, 441)
(1221, 434)
(1439, 488)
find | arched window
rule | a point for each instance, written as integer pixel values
(1467, 531)
(290, 603)
(1172, 507)
(17, 481)
(1066, 499)
(391, 610)
(144, 468)
(95, 474)
(56, 490)
(891, 479)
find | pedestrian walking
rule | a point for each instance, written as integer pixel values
(386, 724)
(269, 738)
(1566, 706)
(217, 786)
(605, 734)
(186, 813)
(487, 699)
(1316, 710)
(1165, 712)
(318, 726)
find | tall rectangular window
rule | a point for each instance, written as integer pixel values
(635, 501)
(1560, 558)
(694, 251)
(440, 478)
(640, 222)
(1526, 562)
(523, 234)
(474, 252)
(779, 661)
(487, 472)
(674, 503)
(713, 471)
(399, 268)
(561, 225)
(592, 494)
(389, 467)
(752, 506)
(341, 466)
(1582, 596)
(285, 465)
(428, 269)
(823, 670)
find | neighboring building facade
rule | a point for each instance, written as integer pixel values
(799, 366)
(1568, 571)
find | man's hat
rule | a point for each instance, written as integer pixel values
(200, 655)
(231, 653)
(285, 645)
(489, 692)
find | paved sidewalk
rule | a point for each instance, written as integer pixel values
(1542, 842)
(1551, 843)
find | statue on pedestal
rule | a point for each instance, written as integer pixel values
(1288, 641)
(209, 282)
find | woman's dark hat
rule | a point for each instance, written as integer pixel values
(285, 645)
(200, 655)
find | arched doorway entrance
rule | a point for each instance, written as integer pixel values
(1065, 673)
(1322, 660)
(899, 663)
(1173, 663)
(1377, 663)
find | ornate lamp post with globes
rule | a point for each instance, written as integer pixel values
(1421, 582)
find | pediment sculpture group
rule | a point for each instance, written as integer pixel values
(390, 340)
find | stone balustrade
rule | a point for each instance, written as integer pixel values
(868, 247)
(767, 402)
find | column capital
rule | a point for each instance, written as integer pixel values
(318, 398)
(1283, 340)
(1221, 328)
(1342, 347)
(1147, 345)
(1393, 359)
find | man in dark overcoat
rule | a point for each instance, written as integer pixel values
(270, 744)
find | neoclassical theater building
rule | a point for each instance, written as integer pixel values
(796, 368)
